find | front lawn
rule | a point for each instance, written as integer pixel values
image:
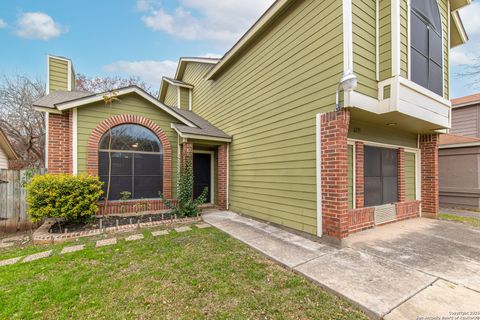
(198, 274)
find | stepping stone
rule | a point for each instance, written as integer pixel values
(183, 229)
(106, 242)
(9, 261)
(37, 256)
(6, 245)
(72, 249)
(160, 233)
(134, 237)
(13, 239)
(203, 225)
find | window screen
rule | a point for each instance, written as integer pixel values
(136, 162)
(426, 45)
(381, 176)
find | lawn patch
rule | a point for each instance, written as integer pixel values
(469, 220)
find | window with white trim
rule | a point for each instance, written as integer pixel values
(380, 176)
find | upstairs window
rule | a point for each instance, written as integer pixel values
(426, 45)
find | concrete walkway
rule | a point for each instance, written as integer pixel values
(418, 267)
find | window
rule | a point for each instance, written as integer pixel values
(381, 176)
(426, 45)
(136, 162)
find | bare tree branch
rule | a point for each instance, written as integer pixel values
(107, 84)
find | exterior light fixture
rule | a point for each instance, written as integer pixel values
(348, 83)
(135, 145)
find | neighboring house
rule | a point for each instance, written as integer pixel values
(459, 155)
(261, 123)
(7, 153)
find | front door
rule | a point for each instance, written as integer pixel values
(202, 174)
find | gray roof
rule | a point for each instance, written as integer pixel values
(51, 99)
(205, 128)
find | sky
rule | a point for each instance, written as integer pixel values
(146, 38)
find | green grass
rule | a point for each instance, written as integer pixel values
(469, 220)
(201, 274)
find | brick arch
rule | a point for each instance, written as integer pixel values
(105, 125)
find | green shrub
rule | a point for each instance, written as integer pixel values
(74, 198)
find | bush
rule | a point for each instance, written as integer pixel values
(74, 198)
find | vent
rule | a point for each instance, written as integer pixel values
(385, 213)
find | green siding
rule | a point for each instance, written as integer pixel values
(90, 116)
(364, 46)
(267, 99)
(443, 4)
(171, 98)
(57, 74)
(184, 98)
(404, 38)
(350, 176)
(381, 134)
(410, 172)
(385, 39)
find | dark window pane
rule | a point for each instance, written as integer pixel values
(118, 184)
(389, 190)
(436, 80)
(389, 163)
(147, 187)
(435, 48)
(419, 35)
(121, 163)
(373, 191)
(419, 69)
(148, 164)
(372, 165)
(429, 11)
(131, 137)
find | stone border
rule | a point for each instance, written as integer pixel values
(42, 236)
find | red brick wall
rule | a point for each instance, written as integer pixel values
(104, 126)
(408, 210)
(186, 153)
(60, 143)
(334, 168)
(359, 175)
(429, 164)
(119, 207)
(401, 174)
(222, 176)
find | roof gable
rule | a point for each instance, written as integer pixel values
(6, 146)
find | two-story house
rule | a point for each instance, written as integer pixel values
(323, 117)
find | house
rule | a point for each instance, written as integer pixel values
(7, 153)
(459, 156)
(324, 117)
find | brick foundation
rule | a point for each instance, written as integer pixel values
(222, 177)
(401, 174)
(408, 210)
(119, 207)
(429, 164)
(334, 168)
(359, 175)
(60, 143)
(361, 219)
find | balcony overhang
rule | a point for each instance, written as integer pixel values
(408, 105)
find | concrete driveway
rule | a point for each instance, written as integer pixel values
(406, 270)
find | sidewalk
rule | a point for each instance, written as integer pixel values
(380, 286)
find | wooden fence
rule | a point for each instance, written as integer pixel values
(13, 206)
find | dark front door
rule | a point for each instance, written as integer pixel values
(202, 174)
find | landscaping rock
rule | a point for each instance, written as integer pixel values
(13, 239)
(106, 242)
(134, 237)
(203, 225)
(72, 249)
(6, 245)
(183, 229)
(160, 233)
(9, 261)
(37, 256)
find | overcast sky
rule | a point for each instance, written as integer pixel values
(146, 37)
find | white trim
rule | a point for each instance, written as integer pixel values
(179, 100)
(212, 172)
(347, 36)
(459, 145)
(354, 173)
(199, 136)
(461, 29)
(396, 45)
(75, 141)
(190, 99)
(318, 144)
(47, 115)
(383, 145)
(47, 110)
(183, 85)
(409, 40)
(264, 19)
(99, 97)
(377, 40)
(69, 75)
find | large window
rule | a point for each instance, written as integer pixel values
(426, 45)
(136, 156)
(381, 176)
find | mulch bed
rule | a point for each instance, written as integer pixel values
(108, 221)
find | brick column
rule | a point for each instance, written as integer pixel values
(401, 174)
(186, 155)
(359, 175)
(222, 177)
(429, 164)
(334, 175)
(60, 143)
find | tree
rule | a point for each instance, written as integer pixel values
(24, 126)
(108, 84)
